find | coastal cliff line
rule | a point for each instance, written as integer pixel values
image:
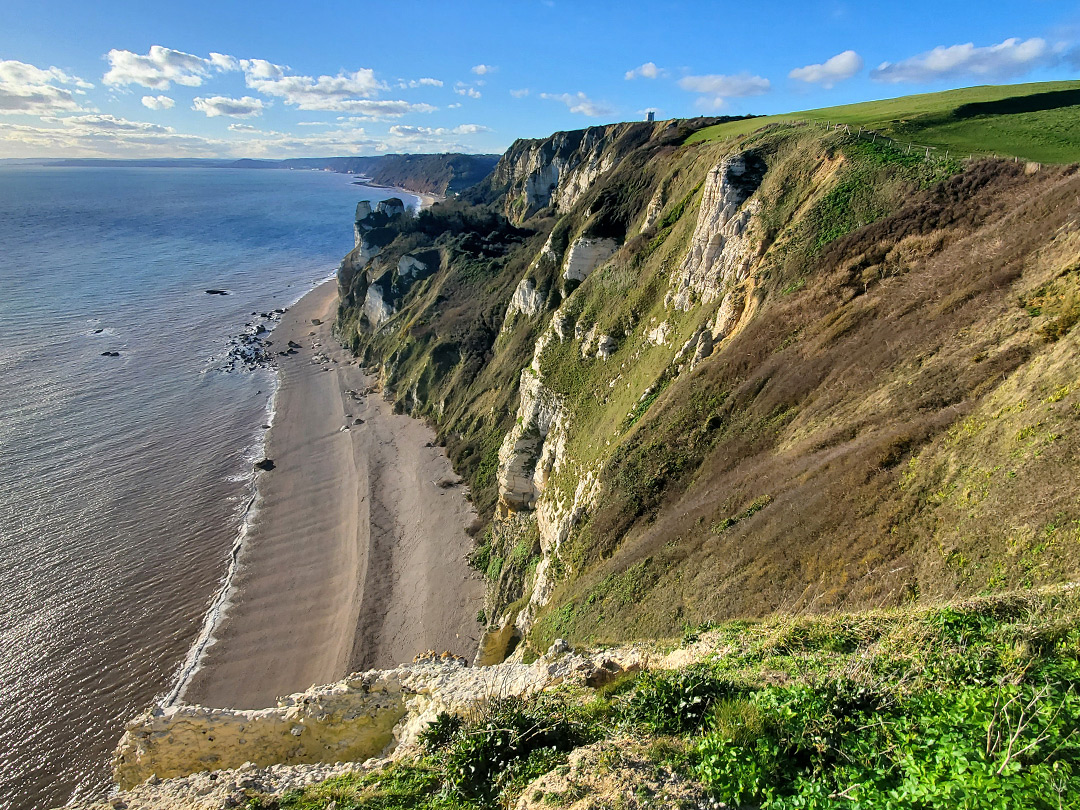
(772, 434)
(694, 378)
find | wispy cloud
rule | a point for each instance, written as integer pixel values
(716, 88)
(29, 90)
(830, 72)
(412, 84)
(463, 89)
(524, 91)
(1005, 60)
(214, 106)
(404, 131)
(580, 103)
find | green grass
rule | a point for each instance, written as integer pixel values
(1039, 121)
(965, 705)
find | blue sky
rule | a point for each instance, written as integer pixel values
(280, 78)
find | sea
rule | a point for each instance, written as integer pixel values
(126, 450)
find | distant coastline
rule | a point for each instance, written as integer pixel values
(435, 176)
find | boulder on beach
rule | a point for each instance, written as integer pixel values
(265, 465)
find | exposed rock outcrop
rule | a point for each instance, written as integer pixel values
(724, 243)
(585, 255)
(527, 455)
(377, 307)
(527, 299)
(369, 714)
(555, 172)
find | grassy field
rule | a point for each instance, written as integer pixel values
(1039, 122)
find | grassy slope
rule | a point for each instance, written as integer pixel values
(969, 705)
(895, 421)
(1039, 121)
(822, 455)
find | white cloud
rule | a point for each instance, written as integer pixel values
(832, 71)
(483, 70)
(1009, 59)
(98, 123)
(580, 103)
(463, 89)
(520, 93)
(336, 93)
(103, 136)
(647, 71)
(162, 67)
(242, 128)
(157, 102)
(717, 88)
(29, 90)
(214, 106)
(403, 131)
(371, 109)
(260, 69)
(453, 106)
(412, 84)
(224, 63)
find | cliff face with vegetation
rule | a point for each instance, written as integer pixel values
(776, 369)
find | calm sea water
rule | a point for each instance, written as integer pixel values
(123, 479)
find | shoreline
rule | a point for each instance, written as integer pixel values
(383, 565)
(221, 600)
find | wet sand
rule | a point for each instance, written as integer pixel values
(356, 554)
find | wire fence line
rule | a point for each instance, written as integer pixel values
(928, 152)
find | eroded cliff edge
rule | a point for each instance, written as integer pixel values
(790, 369)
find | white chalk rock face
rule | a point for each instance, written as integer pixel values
(527, 300)
(330, 729)
(652, 213)
(540, 411)
(605, 347)
(377, 309)
(731, 309)
(724, 243)
(585, 255)
(392, 207)
(410, 267)
(658, 336)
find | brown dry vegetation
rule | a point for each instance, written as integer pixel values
(896, 418)
(868, 434)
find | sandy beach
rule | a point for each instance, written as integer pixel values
(356, 554)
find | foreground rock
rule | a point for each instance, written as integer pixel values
(379, 713)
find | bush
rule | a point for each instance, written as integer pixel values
(513, 740)
(675, 702)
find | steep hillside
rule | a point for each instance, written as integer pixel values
(782, 368)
